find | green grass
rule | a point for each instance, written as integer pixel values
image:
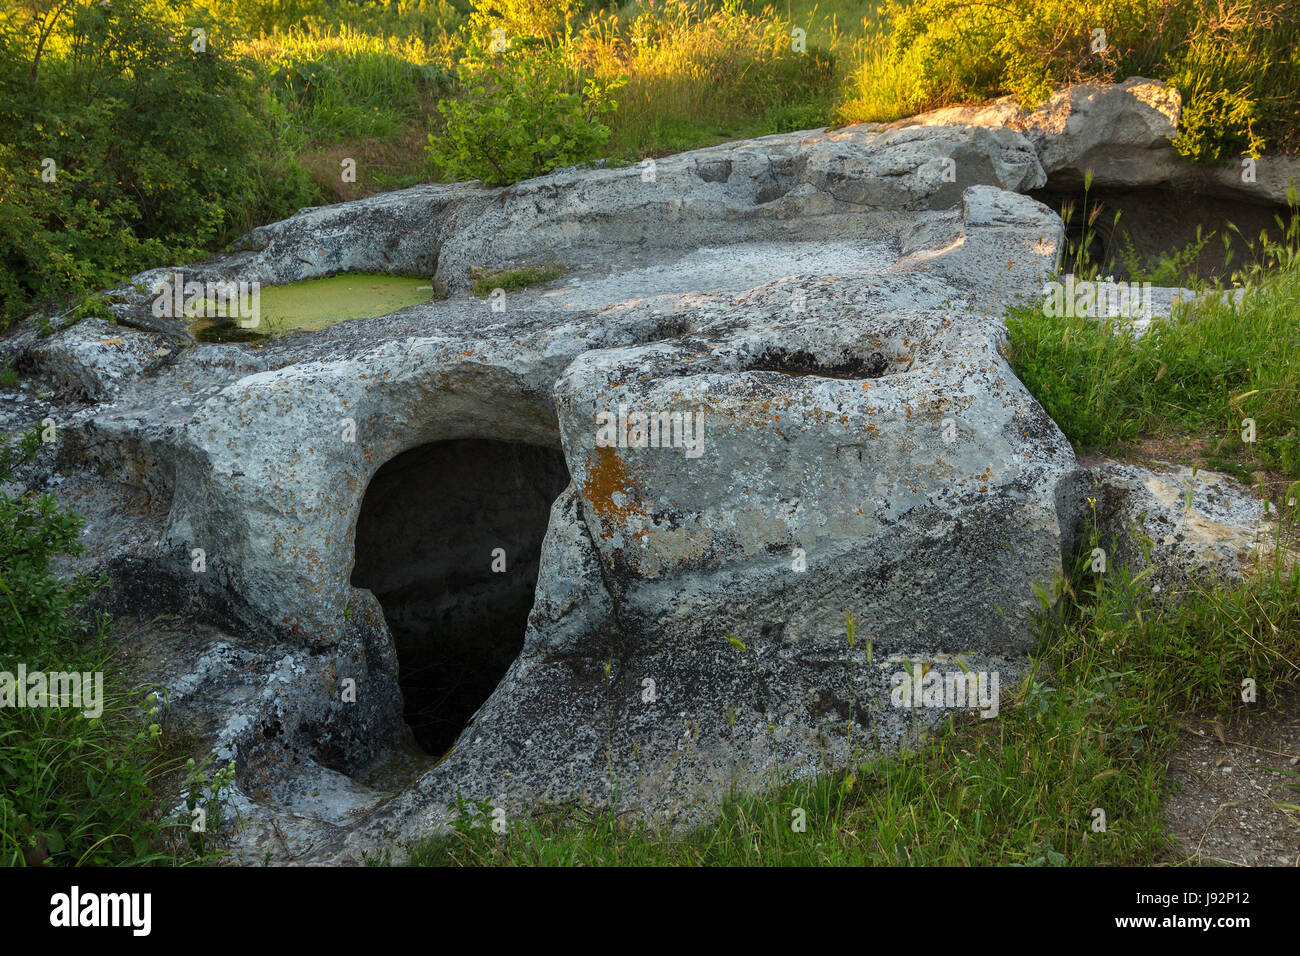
(1091, 727)
(1201, 373)
(344, 84)
(78, 789)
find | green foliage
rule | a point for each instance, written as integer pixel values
(73, 789)
(37, 610)
(157, 148)
(1174, 268)
(520, 18)
(699, 73)
(1239, 75)
(1204, 370)
(1236, 66)
(510, 279)
(203, 796)
(1218, 125)
(344, 84)
(523, 114)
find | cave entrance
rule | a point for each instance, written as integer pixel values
(426, 546)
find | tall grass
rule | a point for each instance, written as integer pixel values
(1203, 371)
(345, 84)
(75, 789)
(698, 73)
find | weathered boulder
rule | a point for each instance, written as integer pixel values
(796, 187)
(1120, 131)
(825, 307)
(1188, 527)
(94, 359)
(874, 448)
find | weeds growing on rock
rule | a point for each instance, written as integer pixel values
(509, 280)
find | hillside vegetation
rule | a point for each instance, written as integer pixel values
(136, 133)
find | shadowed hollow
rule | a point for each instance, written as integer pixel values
(430, 523)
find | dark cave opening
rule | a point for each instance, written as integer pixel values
(437, 525)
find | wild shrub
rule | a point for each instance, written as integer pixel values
(129, 140)
(74, 789)
(523, 113)
(1234, 64)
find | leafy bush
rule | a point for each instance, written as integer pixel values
(520, 18)
(156, 140)
(524, 113)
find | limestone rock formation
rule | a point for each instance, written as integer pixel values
(93, 359)
(617, 519)
(1187, 527)
(796, 187)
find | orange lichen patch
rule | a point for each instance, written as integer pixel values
(607, 476)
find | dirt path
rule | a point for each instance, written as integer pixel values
(1235, 790)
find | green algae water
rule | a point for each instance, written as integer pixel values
(318, 303)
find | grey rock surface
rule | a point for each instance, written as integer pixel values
(797, 187)
(829, 303)
(1189, 528)
(1122, 133)
(94, 359)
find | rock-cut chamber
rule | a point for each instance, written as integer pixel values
(448, 540)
